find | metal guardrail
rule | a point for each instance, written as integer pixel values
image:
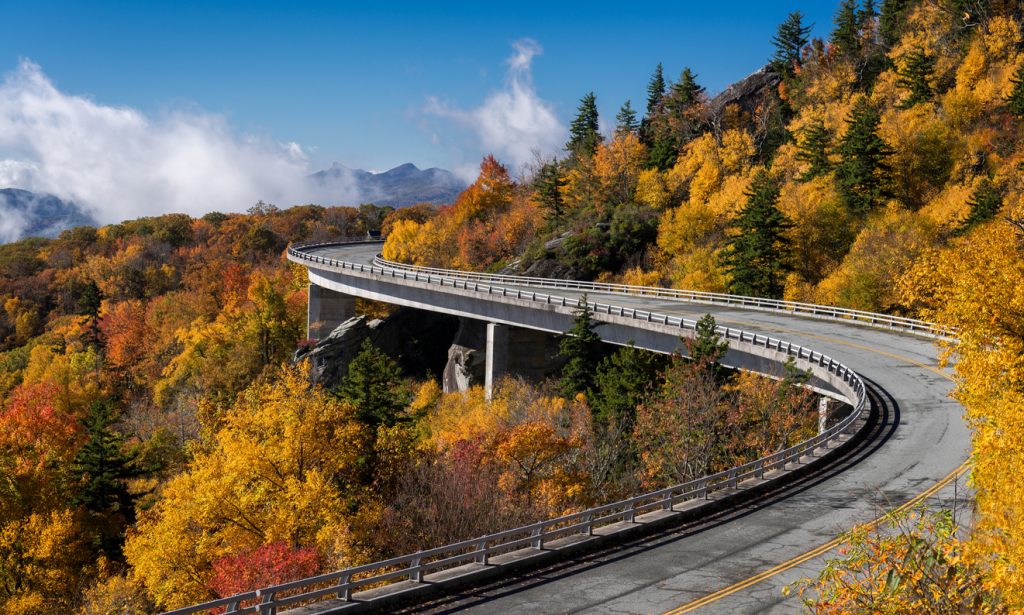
(414, 566)
(886, 321)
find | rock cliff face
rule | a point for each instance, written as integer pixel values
(416, 339)
(747, 93)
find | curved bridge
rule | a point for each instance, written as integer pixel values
(725, 543)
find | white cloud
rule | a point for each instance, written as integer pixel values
(514, 123)
(118, 163)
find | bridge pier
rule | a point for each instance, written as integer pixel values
(496, 363)
(327, 309)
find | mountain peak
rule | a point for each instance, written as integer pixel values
(400, 186)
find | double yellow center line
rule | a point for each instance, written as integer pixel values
(813, 553)
(835, 542)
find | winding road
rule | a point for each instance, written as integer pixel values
(739, 562)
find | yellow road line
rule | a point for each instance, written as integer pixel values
(813, 553)
(828, 546)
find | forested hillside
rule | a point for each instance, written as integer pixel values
(158, 446)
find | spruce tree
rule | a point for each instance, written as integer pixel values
(584, 132)
(891, 19)
(625, 120)
(707, 344)
(866, 15)
(548, 186)
(1015, 101)
(374, 387)
(789, 41)
(685, 92)
(862, 170)
(99, 473)
(758, 252)
(655, 89)
(985, 203)
(621, 383)
(846, 35)
(914, 77)
(581, 347)
(89, 303)
(813, 150)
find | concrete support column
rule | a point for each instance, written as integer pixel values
(327, 309)
(824, 408)
(496, 364)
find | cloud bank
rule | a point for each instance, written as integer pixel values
(514, 123)
(118, 163)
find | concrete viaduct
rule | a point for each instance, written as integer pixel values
(910, 445)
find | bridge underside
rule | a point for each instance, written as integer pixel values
(553, 319)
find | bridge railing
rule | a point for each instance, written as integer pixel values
(896, 323)
(414, 566)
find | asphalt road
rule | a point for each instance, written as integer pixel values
(923, 440)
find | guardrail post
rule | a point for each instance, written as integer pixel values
(345, 593)
(415, 572)
(538, 541)
(482, 555)
(267, 606)
(588, 526)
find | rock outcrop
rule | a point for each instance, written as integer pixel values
(418, 340)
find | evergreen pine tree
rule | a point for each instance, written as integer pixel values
(685, 92)
(861, 173)
(99, 473)
(866, 15)
(914, 76)
(758, 252)
(584, 135)
(985, 203)
(890, 20)
(581, 347)
(374, 387)
(707, 344)
(789, 41)
(89, 303)
(846, 35)
(625, 121)
(655, 89)
(621, 383)
(813, 150)
(1015, 101)
(548, 185)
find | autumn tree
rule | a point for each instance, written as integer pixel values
(584, 132)
(861, 172)
(759, 249)
(679, 432)
(915, 74)
(789, 41)
(581, 350)
(813, 150)
(273, 472)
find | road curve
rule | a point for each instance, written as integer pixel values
(720, 569)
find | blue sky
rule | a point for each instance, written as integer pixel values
(374, 85)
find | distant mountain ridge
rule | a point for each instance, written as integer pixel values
(28, 214)
(401, 186)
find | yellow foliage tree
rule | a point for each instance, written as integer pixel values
(272, 473)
